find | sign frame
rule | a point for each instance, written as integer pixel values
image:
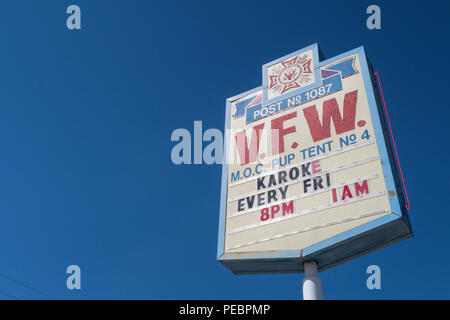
(348, 245)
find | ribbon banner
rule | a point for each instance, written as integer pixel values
(331, 82)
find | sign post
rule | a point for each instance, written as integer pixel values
(309, 178)
(312, 286)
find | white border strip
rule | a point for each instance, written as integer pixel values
(303, 195)
(305, 212)
(356, 146)
(278, 236)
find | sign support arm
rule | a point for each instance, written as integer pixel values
(312, 286)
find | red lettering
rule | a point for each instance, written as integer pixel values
(346, 193)
(245, 154)
(278, 132)
(288, 207)
(334, 194)
(360, 189)
(264, 214)
(315, 166)
(274, 210)
(320, 131)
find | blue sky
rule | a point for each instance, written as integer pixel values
(85, 122)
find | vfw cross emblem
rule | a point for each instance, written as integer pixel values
(290, 74)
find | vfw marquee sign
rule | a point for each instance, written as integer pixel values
(309, 172)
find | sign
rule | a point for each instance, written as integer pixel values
(309, 172)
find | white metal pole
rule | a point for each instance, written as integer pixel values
(312, 286)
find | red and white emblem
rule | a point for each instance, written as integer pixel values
(293, 73)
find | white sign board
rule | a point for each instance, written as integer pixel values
(307, 163)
